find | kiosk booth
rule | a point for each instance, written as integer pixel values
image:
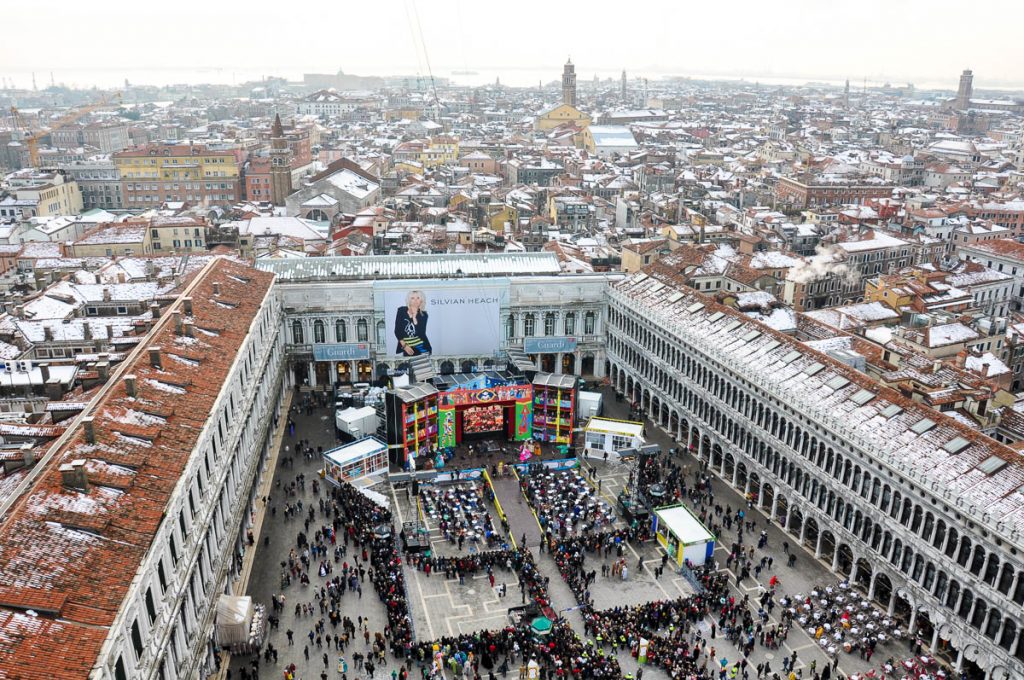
(603, 435)
(358, 459)
(682, 535)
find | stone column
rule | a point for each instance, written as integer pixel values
(912, 627)
(959, 660)
(311, 373)
(871, 586)
(935, 639)
(817, 547)
(835, 557)
(854, 570)
(803, 529)
(558, 363)
(775, 505)
(334, 372)
(735, 473)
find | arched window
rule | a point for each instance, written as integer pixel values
(297, 332)
(589, 323)
(319, 331)
(340, 331)
(549, 323)
(528, 325)
(510, 327)
(380, 332)
(362, 331)
(570, 323)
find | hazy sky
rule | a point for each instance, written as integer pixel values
(925, 41)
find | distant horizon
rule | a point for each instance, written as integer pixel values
(460, 75)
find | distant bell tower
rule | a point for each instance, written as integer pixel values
(966, 89)
(280, 164)
(624, 92)
(846, 94)
(569, 84)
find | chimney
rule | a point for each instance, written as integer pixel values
(188, 329)
(44, 371)
(47, 333)
(150, 270)
(154, 357)
(28, 454)
(90, 429)
(120, 277)
(19, 311)
(74, 476)
(216, 287)
(187, 304)
(106, 294)
(129, 385)
(103, 369)
(110, 331)
(154, 309)
(87, 331)
(54, 389)
(177, 321)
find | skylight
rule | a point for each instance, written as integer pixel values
(862, 397)
(751, 335)
(675, 297)
(791, 357)
(813, 368)
(695, 307)
(891, 410)
(992, 465)
(838, 382)
(956, 445)
(922, 426)
(715, 317)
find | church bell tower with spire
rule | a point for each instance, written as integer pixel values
(280, 164)
(569, 84)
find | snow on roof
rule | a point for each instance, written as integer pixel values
(352, 183)
(293, 227)
(949, 334)
(992, 499)
(413, 266)
(879, 240)
(994, 365)
(612, 135)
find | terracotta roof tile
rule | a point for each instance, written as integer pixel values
(77, 553)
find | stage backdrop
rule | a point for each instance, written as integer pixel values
(461, 320)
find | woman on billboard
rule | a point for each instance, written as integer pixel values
(411, 325)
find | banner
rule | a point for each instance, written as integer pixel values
(524, 420)
(446, 427)
(548, 345)
(441, 318)
(486, 395)
(341, 352)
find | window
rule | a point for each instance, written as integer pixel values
(528, 325)
(510, 327)
(121, 310)
(150, 606)
(362, 331)
(92, 311)
(549, 323)
(589, 323)
(297, 332)
(119, 672)
(319, 331)
(137, 639)
(570, 323)
(380, 332)
(161, 575)
(340, 331)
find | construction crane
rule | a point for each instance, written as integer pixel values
(32, 141)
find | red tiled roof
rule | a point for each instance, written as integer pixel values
(76, 553)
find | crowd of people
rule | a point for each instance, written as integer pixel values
(559, 654)
(469, 565)
(570, 555)
(566, 505)
(460, 513)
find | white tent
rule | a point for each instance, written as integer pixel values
(234, 619)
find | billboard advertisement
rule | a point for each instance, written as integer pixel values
(441, 318)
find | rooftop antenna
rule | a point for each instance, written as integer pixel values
(34, 88)
(52, 84)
